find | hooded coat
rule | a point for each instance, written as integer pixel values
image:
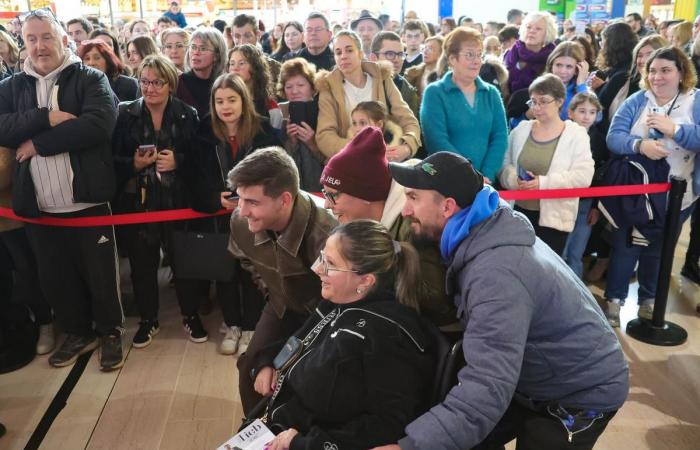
(334, 118)
(532, 329)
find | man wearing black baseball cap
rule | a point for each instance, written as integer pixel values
(543, 365)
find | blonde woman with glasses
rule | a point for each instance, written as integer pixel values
(174, 44)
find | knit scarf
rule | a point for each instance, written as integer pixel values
(520, 52)
(459, 225)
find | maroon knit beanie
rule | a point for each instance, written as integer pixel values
(360, 169)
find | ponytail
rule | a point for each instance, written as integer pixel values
(406, 275)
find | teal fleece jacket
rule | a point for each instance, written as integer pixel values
(449, 123)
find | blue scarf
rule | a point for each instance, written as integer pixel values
(459, 225)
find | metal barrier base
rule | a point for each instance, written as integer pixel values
(668, 335)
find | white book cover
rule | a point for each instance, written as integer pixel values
(252, 437)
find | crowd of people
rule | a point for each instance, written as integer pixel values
(406, 131)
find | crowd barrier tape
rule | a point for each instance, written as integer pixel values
(186, 214)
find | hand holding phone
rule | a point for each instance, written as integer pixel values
(146, 150)
(229, 200)
(524, 175)
(144, 156)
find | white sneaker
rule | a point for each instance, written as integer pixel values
(646, 311)
(229, 345)
(245, 340)
(47, 339)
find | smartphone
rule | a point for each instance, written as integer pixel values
(523, 175)
(601, 75)
(653, 132)
(146, 150)
(232, 197)
(304, 112)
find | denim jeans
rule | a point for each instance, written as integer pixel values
(624, 258)
(578, 238)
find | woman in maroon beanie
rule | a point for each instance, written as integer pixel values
(357, 185)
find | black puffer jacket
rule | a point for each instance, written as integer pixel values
(362, 380)
(177, 133)
(83, 92)
(209, 161)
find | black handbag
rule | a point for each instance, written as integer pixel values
(202, 255)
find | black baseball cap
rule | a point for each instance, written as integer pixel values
(448, 173)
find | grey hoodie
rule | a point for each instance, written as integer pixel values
(531, 326)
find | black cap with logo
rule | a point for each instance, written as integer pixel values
(448, 173)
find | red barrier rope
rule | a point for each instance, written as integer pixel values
(186, 214)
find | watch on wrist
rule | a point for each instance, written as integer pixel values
(638, 146)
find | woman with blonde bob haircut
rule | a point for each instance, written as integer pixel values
(527, 58)
(174, 44)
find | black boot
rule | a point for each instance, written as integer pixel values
(691, 270)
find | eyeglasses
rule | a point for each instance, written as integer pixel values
(41, 12)
(427, 49)
(413, 35)
(471, 56)
(200, 49)
(332, 197)
(174, 46)
(315, 30)
(155, 83)
(325, 267)
(532, 102)
(391, 55)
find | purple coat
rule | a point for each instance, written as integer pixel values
(520, 78)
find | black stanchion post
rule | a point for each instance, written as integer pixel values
(658, 331)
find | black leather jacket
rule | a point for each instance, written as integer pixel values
(177, 133)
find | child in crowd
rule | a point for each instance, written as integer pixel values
(374, 114)
(583, 109)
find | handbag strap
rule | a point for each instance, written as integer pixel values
(306, 343)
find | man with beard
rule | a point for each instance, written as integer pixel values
(357, 185)
(543, 365)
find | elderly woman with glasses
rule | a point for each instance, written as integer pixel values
(205, 61)
(461, 113)
(363, 364)
(548, 153)
(149, 144)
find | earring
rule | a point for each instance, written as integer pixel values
(358, 290)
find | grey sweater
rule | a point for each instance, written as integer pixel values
(531, 326)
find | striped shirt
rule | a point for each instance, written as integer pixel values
(52, 175)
